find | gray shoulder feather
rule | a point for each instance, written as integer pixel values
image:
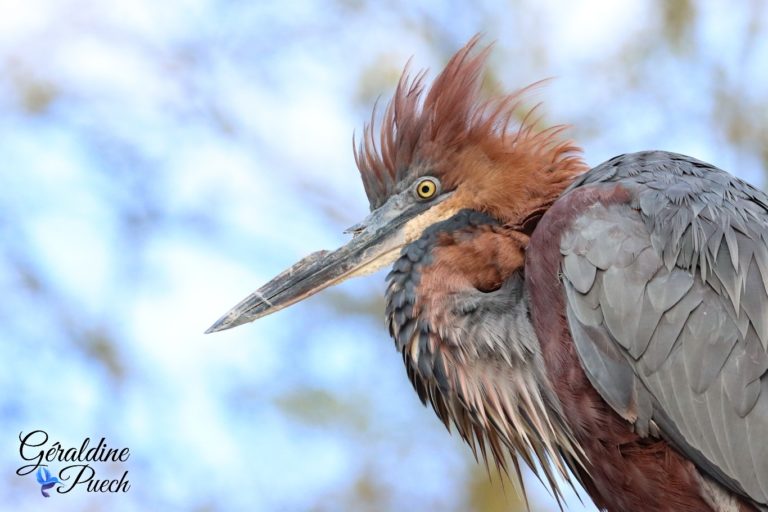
(668, 307)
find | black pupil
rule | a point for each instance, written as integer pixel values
(425, 189)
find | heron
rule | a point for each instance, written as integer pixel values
(606, 326)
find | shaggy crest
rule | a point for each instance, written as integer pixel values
(420, 128)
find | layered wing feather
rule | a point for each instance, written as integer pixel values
(667, 303)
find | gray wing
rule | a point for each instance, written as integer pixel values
(667, 305)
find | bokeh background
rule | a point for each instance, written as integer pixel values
(161, 159)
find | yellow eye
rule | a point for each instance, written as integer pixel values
(426, 188)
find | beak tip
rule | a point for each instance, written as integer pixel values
(231, 319)
(222, 324)
(214, 328)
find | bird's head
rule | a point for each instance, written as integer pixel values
(437, 152)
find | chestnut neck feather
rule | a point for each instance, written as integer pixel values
(457, 309)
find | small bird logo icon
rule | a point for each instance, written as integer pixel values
(46, 481)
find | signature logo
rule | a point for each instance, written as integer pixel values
(46, 481)
(80, 464)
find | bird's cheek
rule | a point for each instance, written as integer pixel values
(440, 212)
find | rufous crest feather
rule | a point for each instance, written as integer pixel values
(423, 131)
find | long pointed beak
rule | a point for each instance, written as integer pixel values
(369, 250)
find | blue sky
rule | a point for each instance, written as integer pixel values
(160, 160)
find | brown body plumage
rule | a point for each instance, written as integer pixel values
(626, 471)
(517, 327)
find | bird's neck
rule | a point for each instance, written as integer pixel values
(518, 186)
(458, 311)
